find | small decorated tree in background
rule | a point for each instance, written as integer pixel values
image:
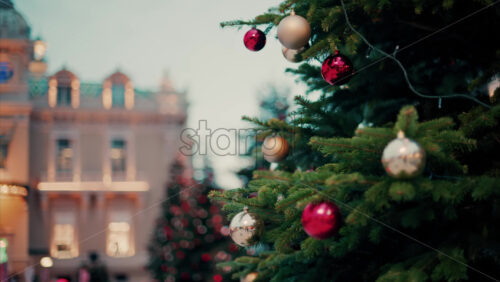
(273, 102)
(273, 105)
(188, 239)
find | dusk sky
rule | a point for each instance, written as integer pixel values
(145, 38)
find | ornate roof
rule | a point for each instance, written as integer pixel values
(118, 78)
(12, 23)
(166, 84)
(64, 76)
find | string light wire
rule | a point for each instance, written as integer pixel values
(403, 69)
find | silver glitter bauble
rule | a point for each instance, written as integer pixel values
(294, 31)
(403, 158)
(275, 148)
(291, 54)
(245, 228)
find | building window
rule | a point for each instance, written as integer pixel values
(118, 156)
(3, 153)
(64, 236)
(64, 95)
(119, 237)
(64, 90)
(63, 240)
(118, 244)
(5, 138)
(64, 155)
(118, 95)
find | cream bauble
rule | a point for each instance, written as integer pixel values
(294, 31)
(275, 148)
(245, 228)
(291, 54)
(403, 158)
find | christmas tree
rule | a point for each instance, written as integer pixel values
(187, 241)
(332, 211)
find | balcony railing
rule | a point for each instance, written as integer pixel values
(92, 181)
(69, 176)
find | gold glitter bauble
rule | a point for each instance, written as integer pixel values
(275, 148)
(403, 158)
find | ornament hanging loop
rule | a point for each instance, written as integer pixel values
(369, 52)
(396, 49)
(401, 134)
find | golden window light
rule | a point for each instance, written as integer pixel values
(63, 242)
(119, 239)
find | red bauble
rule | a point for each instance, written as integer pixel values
(217, 278)
(185, 276)
(180, 254)
(254, 39)
(185, 222)
(214, 209)
(337, 69)
(167, 230)
(216, 219)
(233, 248)
(185, 206)
(321, 221)
(206, 257)
(202, 199)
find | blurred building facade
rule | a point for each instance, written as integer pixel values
(83, 165)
